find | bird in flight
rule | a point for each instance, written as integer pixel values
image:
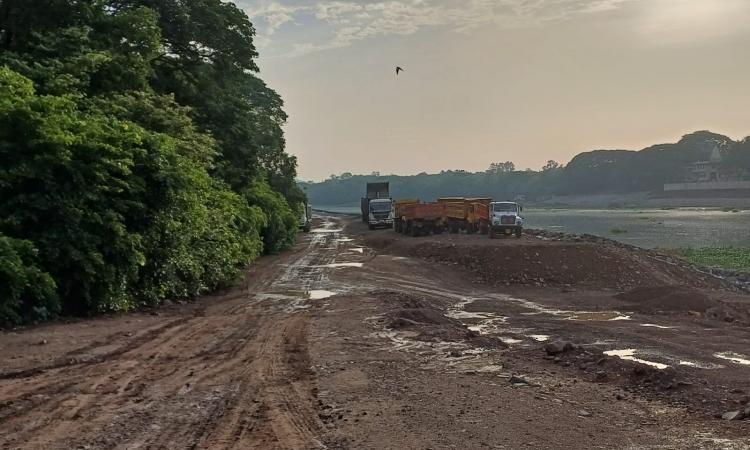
(398, 69)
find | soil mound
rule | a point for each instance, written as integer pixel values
(667, 298)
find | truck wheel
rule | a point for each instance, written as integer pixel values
(437, 230)
(414, 231)
(518, 232)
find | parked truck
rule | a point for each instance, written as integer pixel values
(467, 214)
(377, 206)
(415, 218)
(505, 218)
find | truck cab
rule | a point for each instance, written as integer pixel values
(505, 218)
(380, 213)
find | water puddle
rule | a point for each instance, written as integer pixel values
(734, 357)
(628, 354)
(344, 239)
(539, 337)
(345, 264)
(399, 258)
(326, 230)
(319, 294)
(480, 322)
(358, 250)
(700, 365)
(653, 325)
(510, 340)
(598, 316)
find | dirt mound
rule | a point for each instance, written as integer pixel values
(667, 298)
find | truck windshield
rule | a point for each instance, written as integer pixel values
(505, 207)
(380, 206)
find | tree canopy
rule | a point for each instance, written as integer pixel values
(141, 157)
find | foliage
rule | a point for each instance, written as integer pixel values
(596, 172)
(26, 292)
(141, 158)
(731, 258)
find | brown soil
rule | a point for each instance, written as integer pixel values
(435, 342)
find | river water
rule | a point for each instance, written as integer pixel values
(649, 228)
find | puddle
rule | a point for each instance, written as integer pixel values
(486, 322)
(700, 365)
(628, 355)
(734, 357)
(358, 250)
(598, 316)
(319, 294)
(344, 239)
(653, 325)
(399, 258)
(510, 340)
(346, 264)
(326, 230)
(539, 337)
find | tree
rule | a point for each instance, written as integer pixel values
(505, 167)
(551, 165)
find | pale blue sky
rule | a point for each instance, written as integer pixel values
(496, 80)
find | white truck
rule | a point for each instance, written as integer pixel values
(380, 213)
(505, 218)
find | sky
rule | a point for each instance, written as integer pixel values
(498, 80)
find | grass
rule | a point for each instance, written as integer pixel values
(731, 258)
(618, 231)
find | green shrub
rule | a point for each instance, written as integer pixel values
(26, 292)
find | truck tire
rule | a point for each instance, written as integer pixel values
(518, 232)
(414, 231)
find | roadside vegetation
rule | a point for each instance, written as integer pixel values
(141, 158)
(728, 258)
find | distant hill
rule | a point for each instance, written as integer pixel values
(589, 173)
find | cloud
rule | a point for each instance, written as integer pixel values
(346, 22)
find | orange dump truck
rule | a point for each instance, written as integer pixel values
(468, 214)
(415, 218)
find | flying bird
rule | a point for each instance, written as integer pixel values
(398, 69)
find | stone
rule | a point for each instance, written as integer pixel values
(557, 347)
(733, 415)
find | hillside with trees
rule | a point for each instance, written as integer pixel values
(594, 172)
(141, 157)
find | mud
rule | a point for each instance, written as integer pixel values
(433, 342)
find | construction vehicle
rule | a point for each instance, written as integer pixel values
(305, 217)
(505, 219)
(416, 219)
(467, 214)
(377, 206)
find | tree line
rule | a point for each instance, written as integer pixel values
(141, 156)
(594, 172)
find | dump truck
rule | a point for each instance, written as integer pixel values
(467, 214)
(415, 218)
(377, 206)
(505, 218)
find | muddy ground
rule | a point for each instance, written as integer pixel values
(369, 339)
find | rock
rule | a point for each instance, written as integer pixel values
(583, 413)
(733, 415)
(515, 380)
(557, 347)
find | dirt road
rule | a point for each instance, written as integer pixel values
(359, 339)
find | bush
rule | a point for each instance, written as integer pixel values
(281, 221)
(26, 292)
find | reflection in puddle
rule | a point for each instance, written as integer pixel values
(344, 239)
(628, 355)
(358, 249)
(346, 264)
(700, 365)
(653, 325)
(326, 230)
(598, 315)
(539, 337)
(510, 340)
(319, 294)
(734, 357)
